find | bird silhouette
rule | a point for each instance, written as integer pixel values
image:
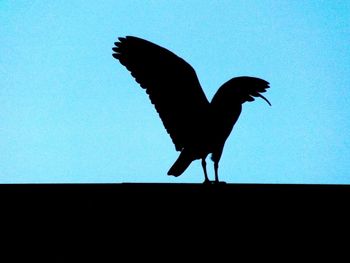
(196, 127)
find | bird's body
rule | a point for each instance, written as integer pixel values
(197, 127)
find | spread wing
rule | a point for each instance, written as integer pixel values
(170, 82)
(243, 88)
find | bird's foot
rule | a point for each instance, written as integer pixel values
(218, 182)
(207, 182)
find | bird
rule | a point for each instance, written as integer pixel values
(196, 126)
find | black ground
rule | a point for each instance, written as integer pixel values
(110, 219)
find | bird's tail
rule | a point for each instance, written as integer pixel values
(180, 164)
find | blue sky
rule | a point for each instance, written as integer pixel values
(71, 113)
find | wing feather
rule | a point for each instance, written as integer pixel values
(170, 82)
(243, 89)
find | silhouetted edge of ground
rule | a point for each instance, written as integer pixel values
(167, 192)
(73, 214)
(125, 188)
(151, 201)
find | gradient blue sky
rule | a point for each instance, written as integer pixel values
(71, 113)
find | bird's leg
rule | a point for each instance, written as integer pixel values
(216, 168)
(204, 165)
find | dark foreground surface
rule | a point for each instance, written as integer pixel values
(142, 192)
(109, 219)
(171, 188)
(170, 196)
(74, 205)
